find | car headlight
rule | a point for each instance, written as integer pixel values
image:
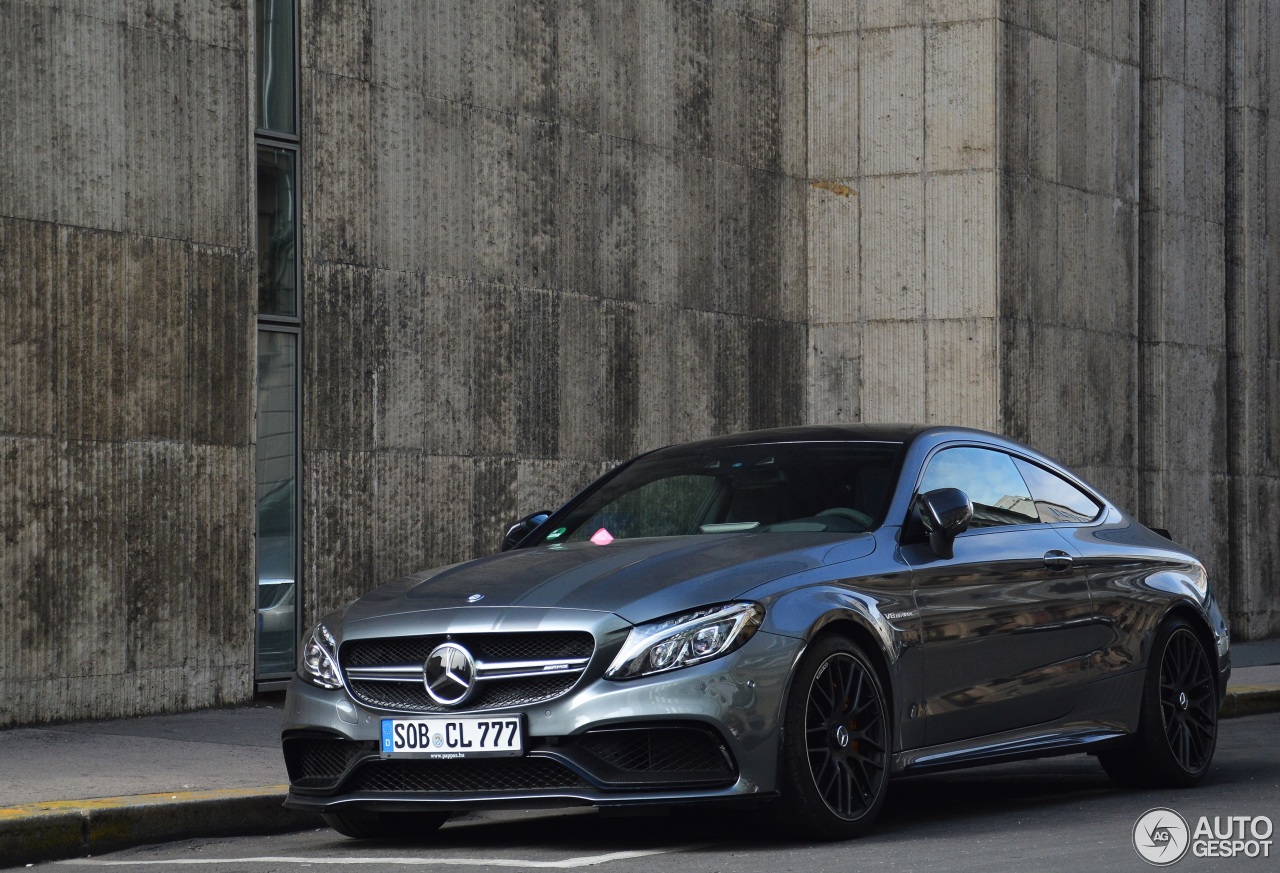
(319, 666)
(685, 640)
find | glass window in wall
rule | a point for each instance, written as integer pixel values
(277, 232)
(276, 66)
(277, 501)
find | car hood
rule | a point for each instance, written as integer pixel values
(638, 579)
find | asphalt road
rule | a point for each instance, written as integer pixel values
(1058, 814)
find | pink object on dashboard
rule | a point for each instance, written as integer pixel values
(602, 537)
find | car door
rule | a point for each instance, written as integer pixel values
(1006, 621)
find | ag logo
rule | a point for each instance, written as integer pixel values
(1161, 836)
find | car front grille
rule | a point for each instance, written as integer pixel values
(515, 669)
(648, 750)
(321, 762)
(469, 777)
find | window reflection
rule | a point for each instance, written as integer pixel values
(277, 496)
(275, 66)
(277, 228)
(990, 480)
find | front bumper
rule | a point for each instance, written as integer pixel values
(709, 732)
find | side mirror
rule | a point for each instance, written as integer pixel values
(946, 513)
(522, 529)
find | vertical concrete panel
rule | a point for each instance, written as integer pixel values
(960, 96)
(621, 397)
(582, 388)
(156, 118)
(732, 238)
(338, 37)
(765, 240)
(220, 352)
(27, 525)
(582, 182)
(963, 352)
(1072, 126)
(960, 246)
(1102, 140)
(833, 89)
(616, 234)
(218, 179)
(832, 16)
(28, 304)
(402, 387)
(492, 371)
(536, 374)
(337, 177)
(90, 353)
(833, 254)
(578, 74)
(893, 243)
(27, 43)
(731, 104)
(697, 256)
(694, 348)
(835, 367)
(423, 47)
(892, 101)
(793, 116)
(89, 143)
(893, 371)
(619, 68)
(155, 399)
(942, 11)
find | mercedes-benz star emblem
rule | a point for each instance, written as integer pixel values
(449, 674)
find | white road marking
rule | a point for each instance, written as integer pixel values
(566, 864)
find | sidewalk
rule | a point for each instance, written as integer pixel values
(93, 787)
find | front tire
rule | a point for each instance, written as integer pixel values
(360, 824)
(1178, 721)
(835, 753)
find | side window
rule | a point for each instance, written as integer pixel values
(1057, 499)
(994, 486)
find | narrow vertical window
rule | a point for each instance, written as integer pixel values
(277, 466)
(276, 63)
(277, 232)
(280, 336)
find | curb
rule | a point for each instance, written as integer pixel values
(74, 828)
(1250, 700)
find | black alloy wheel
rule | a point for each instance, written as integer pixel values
(836, 755)
(1178, 722)
(1188, 701)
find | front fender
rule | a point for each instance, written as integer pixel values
(882, 619)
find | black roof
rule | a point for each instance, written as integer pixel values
(895, 433)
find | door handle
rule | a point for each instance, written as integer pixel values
(1057, 560)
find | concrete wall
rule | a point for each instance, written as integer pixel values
(1252, 230)
(1068, 249)
(126, 359)
(539, 237)
(902, 208)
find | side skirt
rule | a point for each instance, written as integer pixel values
(1007, 747)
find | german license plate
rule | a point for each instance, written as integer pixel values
(452, 737)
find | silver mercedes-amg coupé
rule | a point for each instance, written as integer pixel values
(783, 620)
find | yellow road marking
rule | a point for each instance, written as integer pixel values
(53, 807)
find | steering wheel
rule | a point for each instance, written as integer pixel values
(852, 514)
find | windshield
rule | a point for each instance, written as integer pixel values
(835, 487)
